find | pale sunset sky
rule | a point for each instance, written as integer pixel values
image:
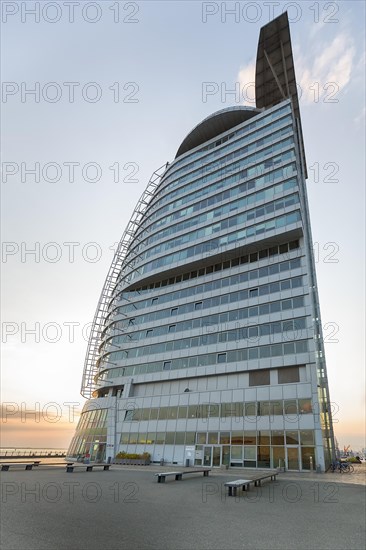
(116, 87)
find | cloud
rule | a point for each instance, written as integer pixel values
(246, 79)
(360, 118)
(323, 73)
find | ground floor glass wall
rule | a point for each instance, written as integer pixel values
(292, 449)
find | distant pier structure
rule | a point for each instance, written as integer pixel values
(27, 452)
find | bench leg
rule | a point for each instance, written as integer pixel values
(230, 491)
(4, 468)
(205, 474)
(161, 479)
(178, 477)
(89, 468)
(29, 466)
(69, 469)
(106, 467)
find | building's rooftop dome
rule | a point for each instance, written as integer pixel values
(215, 124)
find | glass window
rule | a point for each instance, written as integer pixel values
(190, 438)
(264, 408)
(225, 438)
(290, 407)
(250, 409)
(293, 245)
(236, 452)
(302, 346)
(128, 416)
(237, 438)
(172, 413)
(292, 437)
(305, 406)
(124, 438)
(277, 437)
(192, 411)
(250, 437)
(221, 358)
(212, 438)
(133, 438)
(263, 457)
(142, 438)
(289, 349)
(250, 453)
(288, 375)
(163, 413)
(259, 378)
(160, 438)
(265, 351)
(169, 438)
(264, 437)
(307, 437)
(306, 454)
(179, 438)
(253, 353)
(182, 411)
(276, 408)
(154, 413)
(201, 438)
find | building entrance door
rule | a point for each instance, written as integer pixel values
(216, 456)
(292, 458)
(212, 455)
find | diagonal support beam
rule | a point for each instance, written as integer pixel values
(284, 69)
(274, 75)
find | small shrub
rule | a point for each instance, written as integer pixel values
(123, 454)
(354, 459)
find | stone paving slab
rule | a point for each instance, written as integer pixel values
(126, 509)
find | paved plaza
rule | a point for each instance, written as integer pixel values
(125, 508)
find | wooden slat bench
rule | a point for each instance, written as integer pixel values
(245, 483)
(179, 475)
(88, 467)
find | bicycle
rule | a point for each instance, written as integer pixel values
(342, 467)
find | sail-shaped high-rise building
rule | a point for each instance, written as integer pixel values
(207, 343)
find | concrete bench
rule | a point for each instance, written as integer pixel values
(245, 483)
(55, 464)
(28, 465)
(234, 485)
(258, 478)
(88, 467)
(179, 475)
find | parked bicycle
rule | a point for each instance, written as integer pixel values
(342, 467)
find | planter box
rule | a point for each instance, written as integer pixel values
(132, 461)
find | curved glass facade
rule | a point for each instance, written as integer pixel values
(210, 345)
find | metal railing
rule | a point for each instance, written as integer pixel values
(92, 353)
